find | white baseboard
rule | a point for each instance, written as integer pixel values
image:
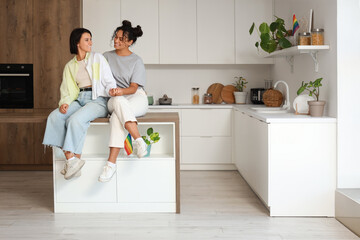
(189, 166)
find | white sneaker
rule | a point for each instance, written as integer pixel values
(72, 167)
(63, 171)
(107, 173)
(141, 147)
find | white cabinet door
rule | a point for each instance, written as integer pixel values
(206, 150)
(206, 122)
(216, 44)
(101, 18)
(258, 159)
(86, 188)
(302, 169)
(251, 152)
(146, 181)
(247, 12)
(177, 21)
(145, 14)
(240, 140)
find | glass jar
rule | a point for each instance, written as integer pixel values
(195, 95)
(268, 83)
(304, 38)
(207, 98)
(317, 36)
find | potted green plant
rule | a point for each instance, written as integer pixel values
(273, 36)
(316, 107)
(151, 138)
(239, 94)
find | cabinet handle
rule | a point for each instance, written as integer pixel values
(206, 136)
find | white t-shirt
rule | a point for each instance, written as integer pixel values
(126, 69)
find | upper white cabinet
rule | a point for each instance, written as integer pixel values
(215, 22)
(101, 18)
(177, 22)
(145, 14)
(183, 31)
(247, 12)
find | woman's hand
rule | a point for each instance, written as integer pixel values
(112, 92)
(116, 92)
(119, 92)
(63, 108)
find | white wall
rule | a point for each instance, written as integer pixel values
(177, 80)
(348, 57)
(324, 17)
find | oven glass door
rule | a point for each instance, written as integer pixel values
(16, 90)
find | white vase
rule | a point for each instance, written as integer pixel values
(240, 97)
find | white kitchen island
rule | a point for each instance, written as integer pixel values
(149, 184)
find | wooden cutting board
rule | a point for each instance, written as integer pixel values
(227, 94)
(215, 90)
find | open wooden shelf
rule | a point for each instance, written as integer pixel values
(290, 53)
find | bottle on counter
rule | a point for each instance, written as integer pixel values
(207, 98)
(195, 95)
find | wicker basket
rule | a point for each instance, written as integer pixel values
(272, 98)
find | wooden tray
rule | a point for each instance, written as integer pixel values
(227, 94)
(215, 90)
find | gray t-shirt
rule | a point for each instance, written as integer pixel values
(126, 69)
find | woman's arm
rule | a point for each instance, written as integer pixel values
(126, 91)
(65, 96)
(108, 79)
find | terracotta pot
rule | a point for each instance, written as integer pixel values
(316, 108)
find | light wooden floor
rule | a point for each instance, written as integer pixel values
(215, 205)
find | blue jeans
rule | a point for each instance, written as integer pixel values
(68, 131)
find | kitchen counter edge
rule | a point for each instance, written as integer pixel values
(265, 117)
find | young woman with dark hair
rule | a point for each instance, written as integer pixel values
(131, 101)
(85, 90)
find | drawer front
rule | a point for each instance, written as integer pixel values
(206, 122)
(85, 188)
(206, 150)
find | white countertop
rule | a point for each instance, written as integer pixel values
(245, 108)
(191, 106)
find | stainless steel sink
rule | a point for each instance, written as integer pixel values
(269, 109)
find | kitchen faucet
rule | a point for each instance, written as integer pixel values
(286, 104)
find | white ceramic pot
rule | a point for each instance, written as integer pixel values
(240, 97)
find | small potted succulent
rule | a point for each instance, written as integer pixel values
(239, 94)
(151, 138)
(316, 107)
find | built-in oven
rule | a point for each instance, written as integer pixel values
(16, 86)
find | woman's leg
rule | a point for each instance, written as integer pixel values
(55, 131)
(123, 116)
(124, 111)
(79, 122)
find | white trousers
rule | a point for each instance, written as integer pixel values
(125, 109)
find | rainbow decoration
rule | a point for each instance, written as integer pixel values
(295, 25)
(128, 144)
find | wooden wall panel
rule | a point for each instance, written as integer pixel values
(53, 22)
(16, 143)
(42, 155)
(16, 35)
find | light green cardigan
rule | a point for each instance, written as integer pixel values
(100, 74)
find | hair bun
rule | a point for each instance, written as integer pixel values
(137, 31)
(126, 23)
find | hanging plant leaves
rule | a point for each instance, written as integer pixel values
(284, 43)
